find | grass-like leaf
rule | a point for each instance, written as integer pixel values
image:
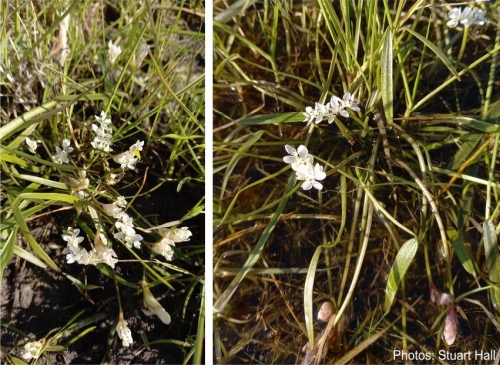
(387, 75)
(437, 51)
(30, 239)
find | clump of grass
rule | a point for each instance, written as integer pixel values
(102, 129)
(410, 197)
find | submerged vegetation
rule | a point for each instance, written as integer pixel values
(102, 144)
(400, 234)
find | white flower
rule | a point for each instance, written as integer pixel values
(124, 333)
(467, 17)
(348, 101)
(103, 133)
(170, 237)
(32, 145)
(61, 155)
(104, 254)
(78, 184)
(75, 254)
(315, 114)
(72, 237)
(332, 109)
(311, 175)
(127, 160)
(179, 234)
(137, 146)
(124, 222)
(154, 307)
(115, 209)
(102, 118)
(32, 350)
(121, 202)
(164, 248)
(113, 52)
(126, 231)
(133, 240)
(99, 254)
(298, 158)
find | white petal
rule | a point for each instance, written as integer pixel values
(306, 185)
(318, 185)
(302, 151)
(289, 149)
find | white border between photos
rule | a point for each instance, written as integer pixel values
(209, 182)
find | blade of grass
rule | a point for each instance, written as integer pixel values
(437, 51)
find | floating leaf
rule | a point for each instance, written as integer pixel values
(398, 270)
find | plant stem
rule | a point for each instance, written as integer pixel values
(462, 47)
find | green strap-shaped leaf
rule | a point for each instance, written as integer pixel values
(398, 270)
(478, 125)
(387, 75)
(308, 295)
(31, 240)
(7, 250)
(25, 120)
(50, 196)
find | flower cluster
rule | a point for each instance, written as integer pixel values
(115, 209)
(124, 223)
(103, 133)
(467, 17)
(113, 52)
(126, 231)
(77, 184)
(170, 237)
(128, 159)
(74, 253)
(332, 109)
(32, 350)
(61, 155)
(302, 163)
